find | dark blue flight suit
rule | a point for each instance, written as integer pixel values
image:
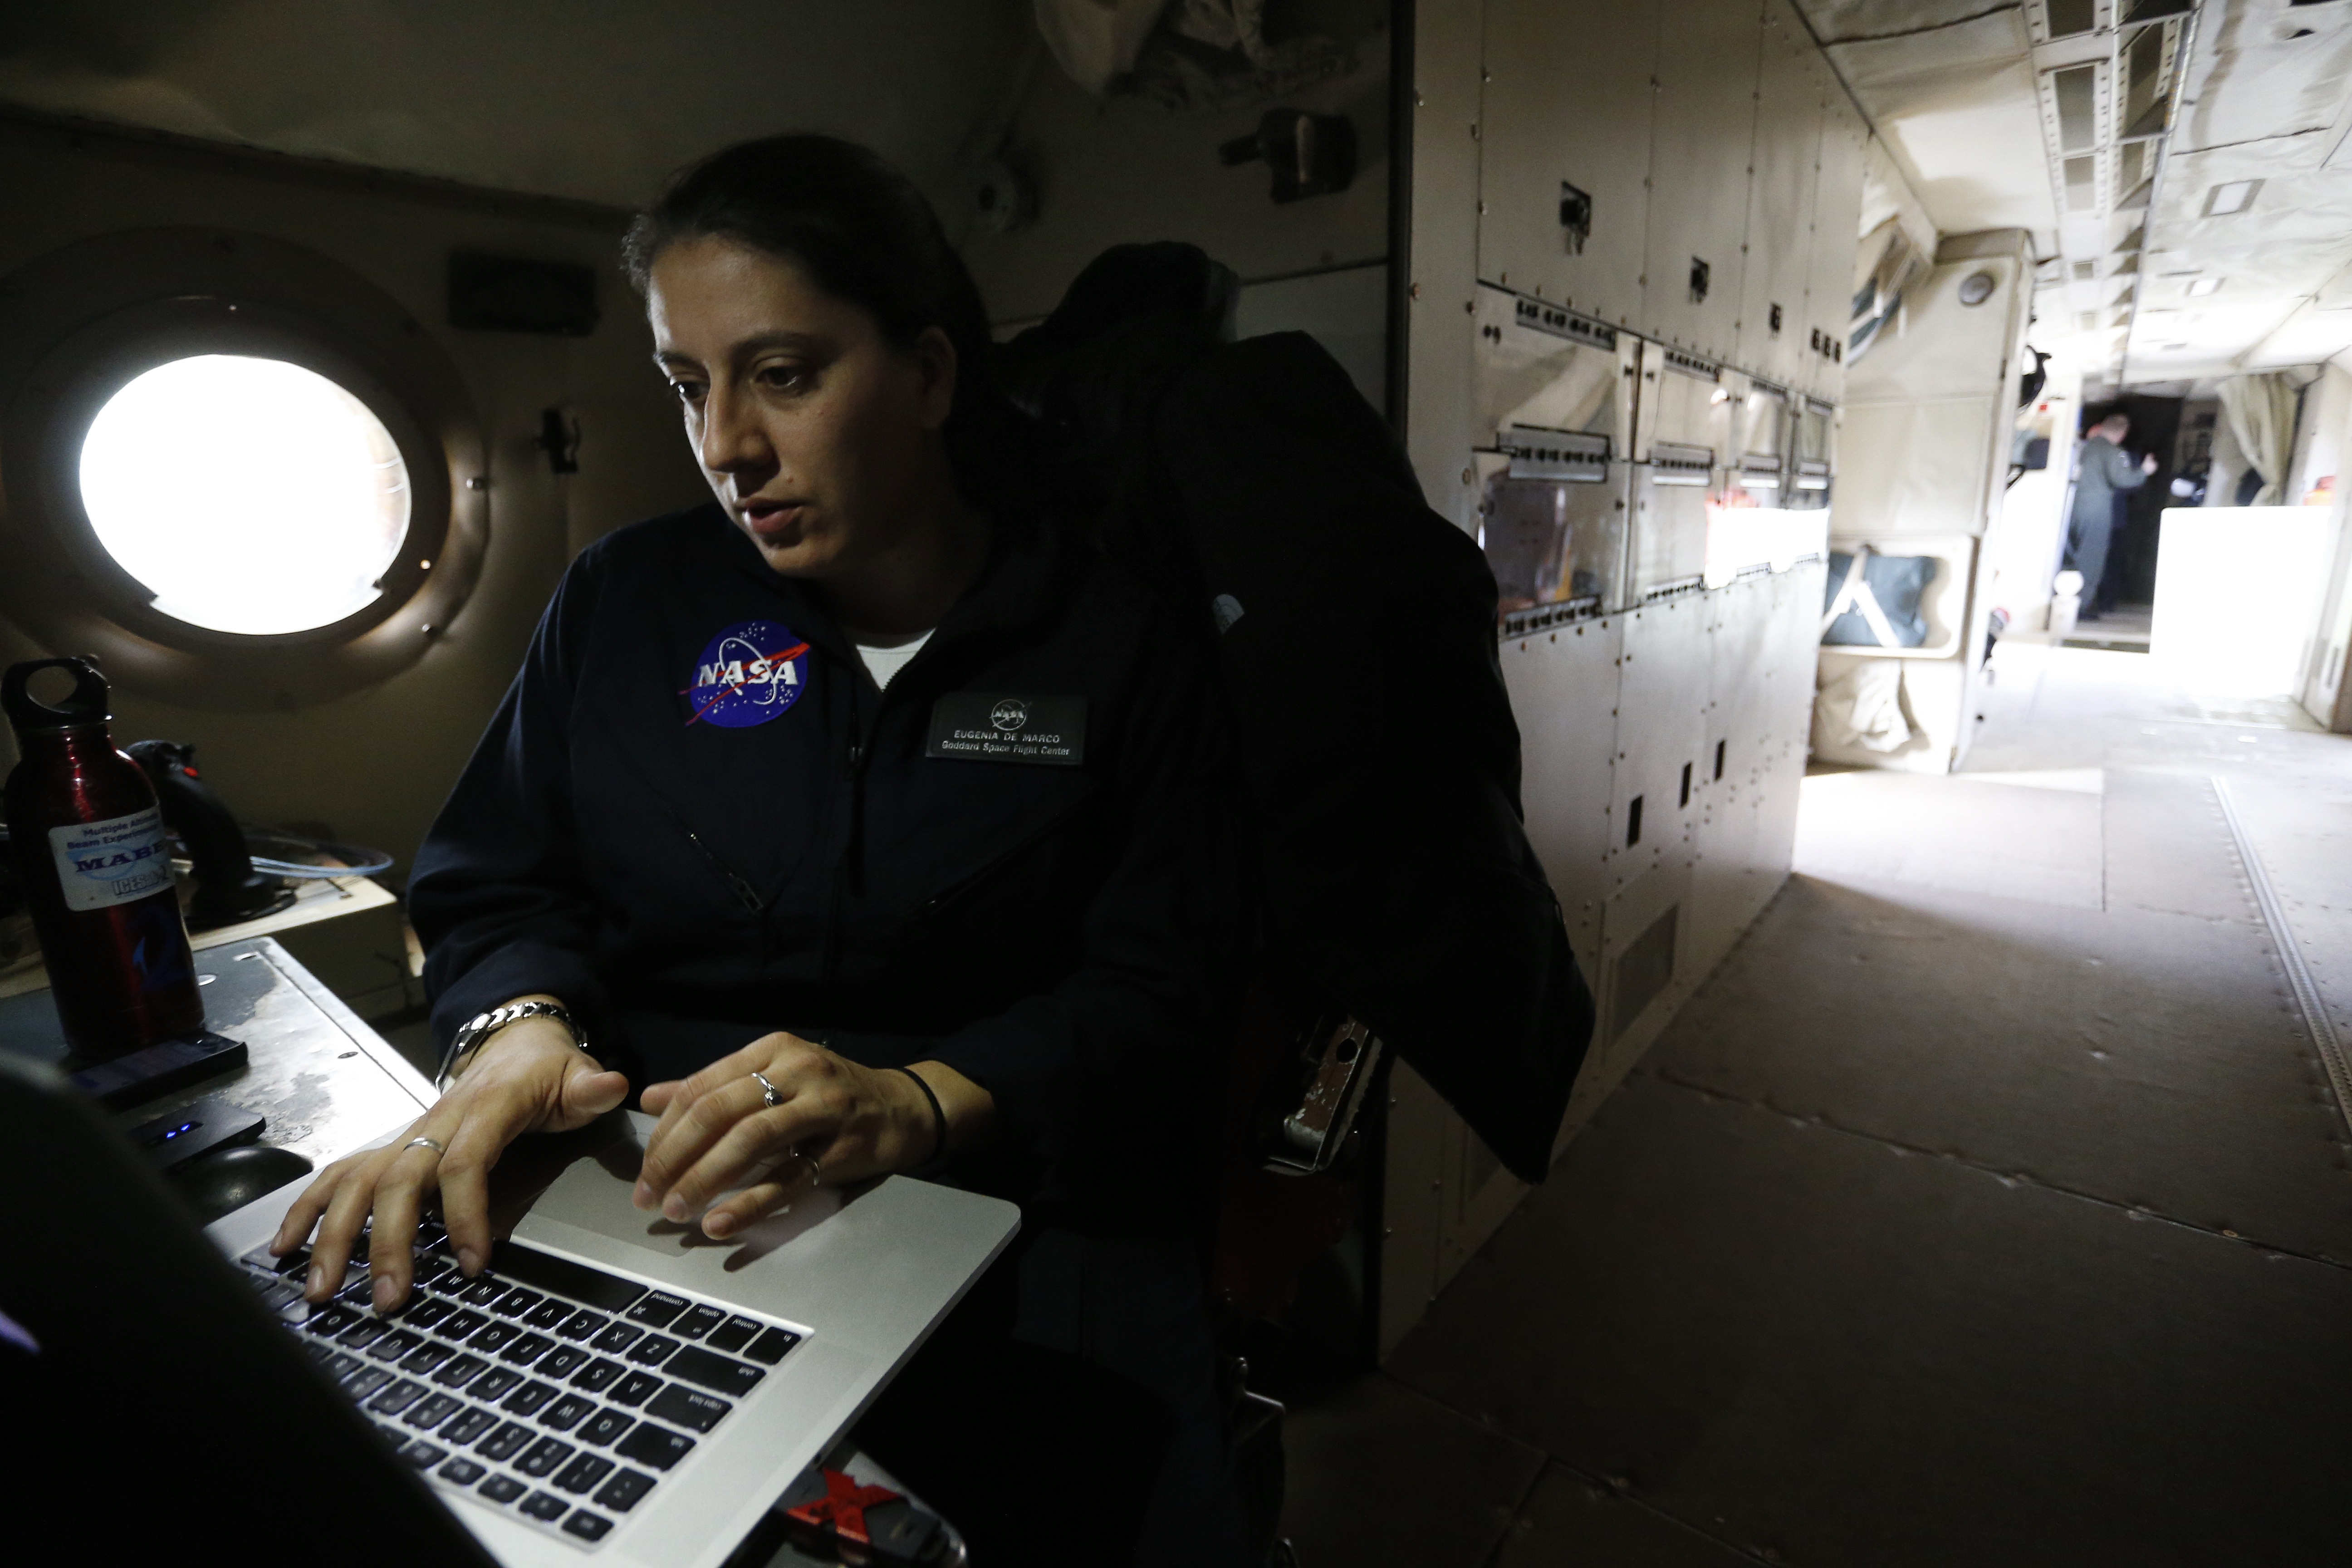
(696, 820)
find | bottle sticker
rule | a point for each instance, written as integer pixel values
(101, 864)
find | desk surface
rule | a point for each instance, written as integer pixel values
(324, 1082)
(315, 899)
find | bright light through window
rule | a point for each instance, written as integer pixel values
(250, 495)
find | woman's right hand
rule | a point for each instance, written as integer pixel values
(526, 1078)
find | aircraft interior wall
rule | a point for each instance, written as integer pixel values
(1111, 171)
(372, 764)
(1632, 239)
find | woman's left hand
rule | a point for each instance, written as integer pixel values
(835, 1122)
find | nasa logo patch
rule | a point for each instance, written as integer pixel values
(748, 674)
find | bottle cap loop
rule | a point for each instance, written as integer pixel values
(88, 703)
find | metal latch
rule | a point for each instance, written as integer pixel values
(1569, 455)
(1671, 464)
(1338, 1054)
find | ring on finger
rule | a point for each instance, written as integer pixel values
(432, 1143)
(816, 1167)
(769, 1091)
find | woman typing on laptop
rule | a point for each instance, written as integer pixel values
(865, 821)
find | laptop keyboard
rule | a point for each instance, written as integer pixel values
(548, 1389)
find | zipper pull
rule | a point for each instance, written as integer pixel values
(856, 752)
(747, 895)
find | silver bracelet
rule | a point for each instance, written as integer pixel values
(478, 1028)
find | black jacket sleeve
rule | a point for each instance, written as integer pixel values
(496, 894)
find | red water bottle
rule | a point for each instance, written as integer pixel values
(90, 849)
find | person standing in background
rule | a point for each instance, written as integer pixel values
(2104, 473)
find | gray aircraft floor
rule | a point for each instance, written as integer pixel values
(1989, 1204)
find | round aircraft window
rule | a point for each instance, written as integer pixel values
(237, 471)
(249, 495)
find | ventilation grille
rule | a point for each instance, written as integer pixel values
(1642, 973)
(2082, 182)
(2068, 18)
(2076, 90)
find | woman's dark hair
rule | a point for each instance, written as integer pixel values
(865, 233)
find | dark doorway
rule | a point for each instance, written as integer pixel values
(2130, 576)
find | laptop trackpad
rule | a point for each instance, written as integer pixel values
(594, 1171)
(876, 1263)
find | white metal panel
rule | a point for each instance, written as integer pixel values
(1837, 212)
(1707, 54)
(1564, 691)
(1443, 281)
(1791, 663)
(1540, 364)
(1783, 172)
(1413, 1201)
(1660, 721)
(1480, 1195)
(1793, 656)
(1563, 685)
(1568, 103)
(1685, 402)
(1725, 881)
(1758, 457)
(1741, 623)
(1681, 437)
(1554, 418)
(1668, 547)
(1740, 672)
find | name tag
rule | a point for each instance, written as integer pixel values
(1008, 727)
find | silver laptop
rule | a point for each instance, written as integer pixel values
(619, 1389)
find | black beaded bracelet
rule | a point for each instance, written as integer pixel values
(938, 1117)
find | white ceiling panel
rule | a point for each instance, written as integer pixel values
(1958, 106)
(2267, 96)
(1888, 65)
(2264, 70)
(1835, 20)
(2309, 336)
(554, 97)
(2289, 208)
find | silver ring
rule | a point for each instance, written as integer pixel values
(774, 1096)
(432, 1143)
(816, 1168)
